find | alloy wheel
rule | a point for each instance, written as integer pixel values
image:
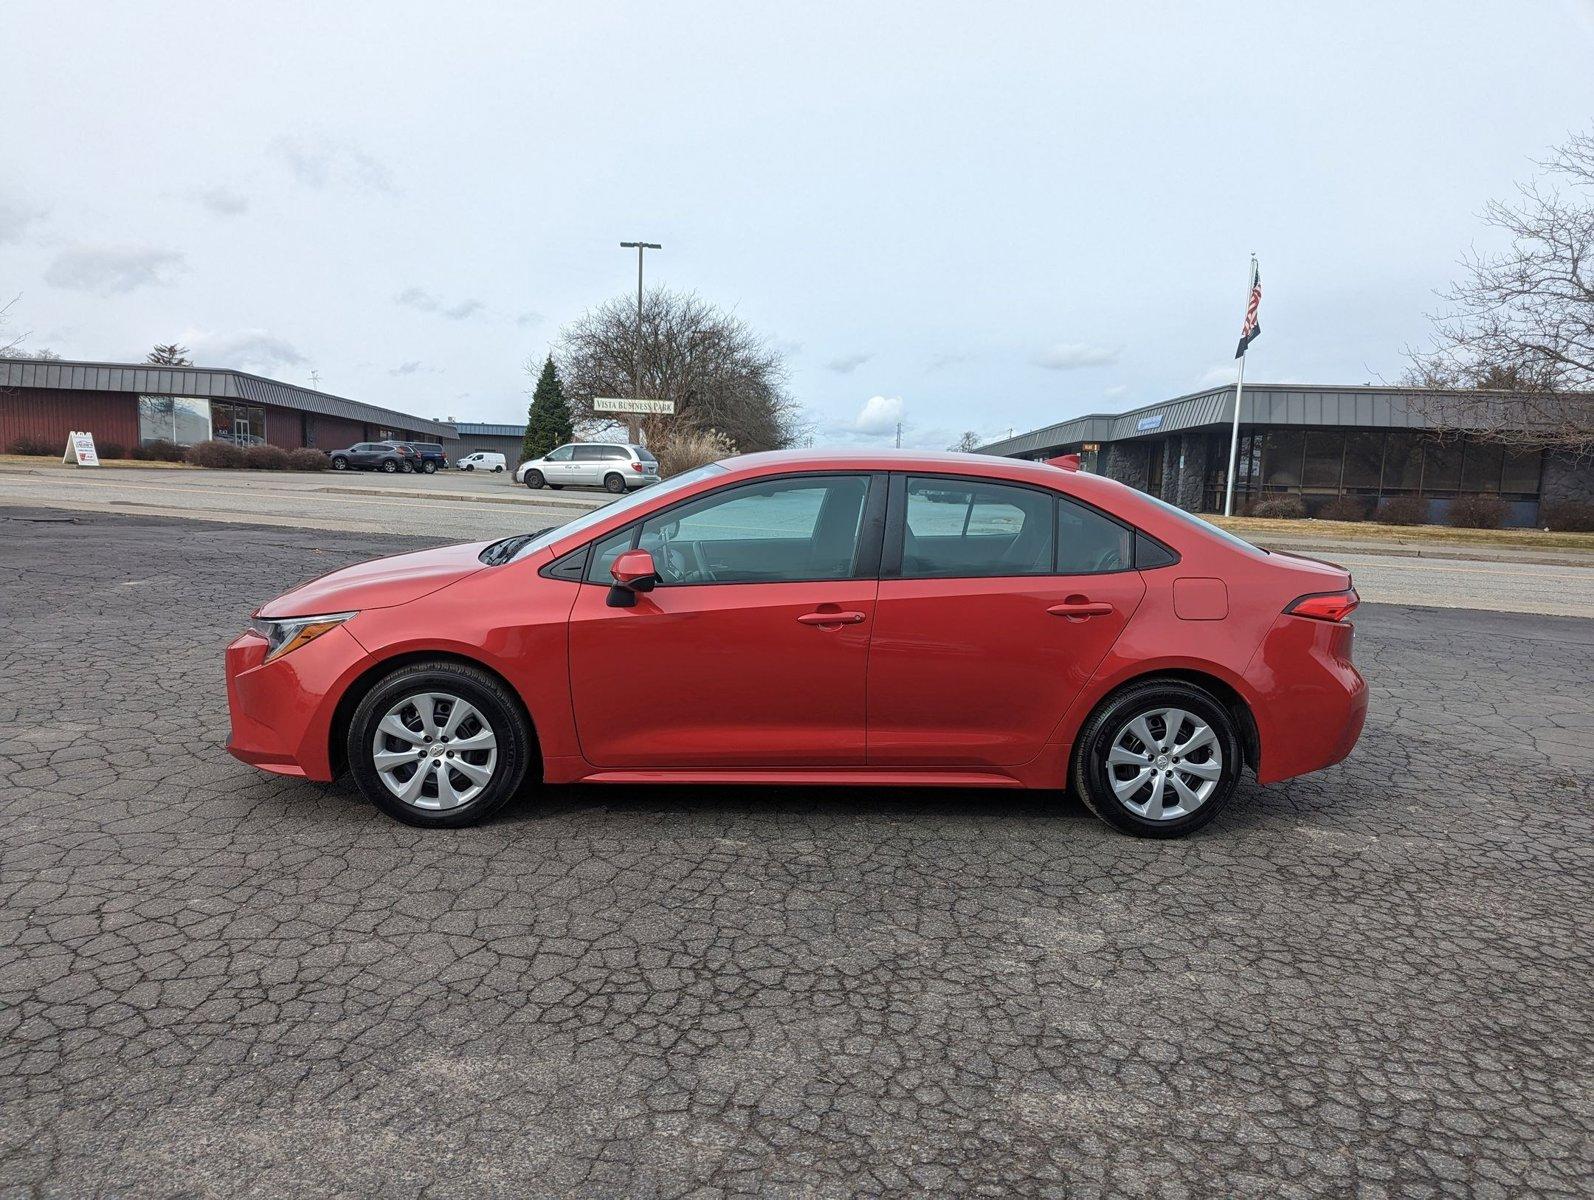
(434, 751)
(1164, 764)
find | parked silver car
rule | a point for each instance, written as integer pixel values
(613, 466)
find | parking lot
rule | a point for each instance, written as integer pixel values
(1372, 981)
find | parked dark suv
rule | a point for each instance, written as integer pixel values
(433, 459)
(390, 457)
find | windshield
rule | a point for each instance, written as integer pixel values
(587, 520)
(1204, 526)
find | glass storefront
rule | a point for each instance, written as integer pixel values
(1372, 463)
(240, 424)
(181, 419)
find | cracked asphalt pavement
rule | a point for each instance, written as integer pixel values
(1373, 981)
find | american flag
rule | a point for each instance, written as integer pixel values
(1252, 329)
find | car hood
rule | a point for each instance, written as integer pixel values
(381, 583)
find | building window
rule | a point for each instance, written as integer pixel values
(1325, 456)
(1364, 458)
(181, 419)
(1282, 450)
(1520, 473)
(1441, 468)
(241, 424)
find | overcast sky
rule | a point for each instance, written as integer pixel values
(977, 215)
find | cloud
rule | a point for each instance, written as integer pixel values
(415, 367)
(1219, 375)
(224, 202)
(528, 318)
(847, 363)
(878, 416)
(112, 270)
(1116, 392)
(245, 349)
(331, 162)
(1072, 356)
(15, 217)
(949, 358)
(423, 301)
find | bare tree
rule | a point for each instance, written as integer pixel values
(721, 374)
(1514, 346)
(967, 442)
(10, 344)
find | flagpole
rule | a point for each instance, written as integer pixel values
(1239, 394)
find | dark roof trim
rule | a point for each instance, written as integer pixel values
(476, 429)
(1264, 404)
(207, 383)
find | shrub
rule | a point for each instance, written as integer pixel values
(1404, 510)
(27, 444)
(159, 450)
(1567, 516)
(1343, 508)
(307, 459)
(215, 454)
(687, 449)
(266, 458)
(110, 449)
(1279, 508)
(1476, 512)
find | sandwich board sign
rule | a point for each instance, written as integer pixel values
(80, 448)
(602, 404)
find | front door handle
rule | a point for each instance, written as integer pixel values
(1080, 608)
(831, 618)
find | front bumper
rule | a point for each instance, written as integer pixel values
(282, 710)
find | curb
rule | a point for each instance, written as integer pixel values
(1458, 554)
(534, 499)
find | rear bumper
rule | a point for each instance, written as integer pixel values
(1314, 700)
(282, 710)
(636, 481)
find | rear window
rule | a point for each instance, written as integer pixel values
(645, 455)
(1204, 526)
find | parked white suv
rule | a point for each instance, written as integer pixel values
(613, 466)
(481, 460)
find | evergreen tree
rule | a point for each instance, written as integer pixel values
(170, 355)
(548, 424)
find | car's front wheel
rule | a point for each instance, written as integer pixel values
(1158, 759)
(534, 480)
(439, 744)
(340, 464)
(470, 466)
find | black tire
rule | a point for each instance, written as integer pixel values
(470, 466)
(389, 466)
(498, 470)
(429, 467)
(488, 695)
(614, 483)
(1090, 773)
(534, 480)
(340, 463)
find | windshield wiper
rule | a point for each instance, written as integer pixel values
(504, 549)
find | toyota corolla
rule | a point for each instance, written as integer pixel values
(817, 618)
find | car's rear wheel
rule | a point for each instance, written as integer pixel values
(614, 483)
(534, 480)
(1159, 759)
(340, 464)
(438, 744)
(497, 470)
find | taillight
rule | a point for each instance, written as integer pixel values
(1325, 606)
(636, 466)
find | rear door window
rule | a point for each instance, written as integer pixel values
(970, 529)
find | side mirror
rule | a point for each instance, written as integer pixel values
(632, 572)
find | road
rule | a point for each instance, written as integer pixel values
(1375, 981)
(456, 506)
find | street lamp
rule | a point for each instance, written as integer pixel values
(636, 357)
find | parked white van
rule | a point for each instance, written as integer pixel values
(481, 460)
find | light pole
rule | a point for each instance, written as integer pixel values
(636, 356)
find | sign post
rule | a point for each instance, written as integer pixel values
(80, 449)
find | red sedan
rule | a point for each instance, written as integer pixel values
(801, 618)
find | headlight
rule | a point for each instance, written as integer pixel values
(290, 633)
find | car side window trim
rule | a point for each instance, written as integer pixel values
(897, 525)
(866, 555)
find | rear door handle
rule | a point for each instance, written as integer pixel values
(831, 618)
(1080, 608)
